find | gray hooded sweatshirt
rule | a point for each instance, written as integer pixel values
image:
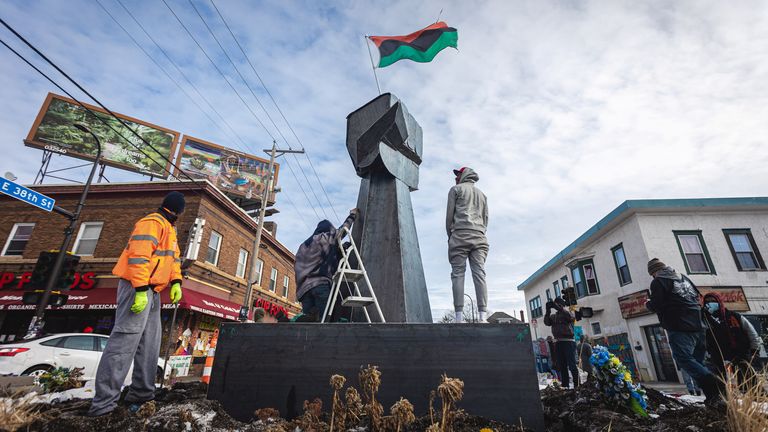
(467, 205)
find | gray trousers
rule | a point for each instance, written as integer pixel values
(135, 338)
(470, 244)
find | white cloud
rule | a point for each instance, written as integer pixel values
(564, 108)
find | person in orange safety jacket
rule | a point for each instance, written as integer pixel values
(150, 263)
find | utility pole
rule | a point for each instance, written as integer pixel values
(36, 325)
(274, 153)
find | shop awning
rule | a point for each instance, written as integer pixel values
(105, 298)
(99, 298)
(204, 303)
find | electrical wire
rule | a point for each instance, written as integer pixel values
(205, 53)
(248, 86)
(237, 70)
(90, 111)
(242, 144)
(253, 68)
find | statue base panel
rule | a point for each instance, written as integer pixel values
(282, 365)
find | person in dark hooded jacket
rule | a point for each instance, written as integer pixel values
(675, 300)
(730, 337)
(316, 262)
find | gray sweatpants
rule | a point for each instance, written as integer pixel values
(470, 244)
(135, 338)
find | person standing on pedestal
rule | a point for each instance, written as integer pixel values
(466, 223)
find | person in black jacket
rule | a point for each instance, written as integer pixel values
(565, 347)
(731, 337)
(675, 300)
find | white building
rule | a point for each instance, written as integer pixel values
(718, 242)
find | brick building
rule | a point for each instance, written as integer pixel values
(218, 265)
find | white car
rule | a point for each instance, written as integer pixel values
(69, 350)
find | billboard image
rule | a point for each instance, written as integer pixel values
(231, 171)
(53, 130)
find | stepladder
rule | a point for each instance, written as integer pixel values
(350, 275)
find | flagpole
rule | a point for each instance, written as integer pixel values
(376, 77)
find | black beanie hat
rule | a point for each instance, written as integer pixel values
(174, 202)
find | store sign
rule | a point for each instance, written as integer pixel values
(83, 281)
(733, 297)
(633, 305)
(270, 307)
(179, 365)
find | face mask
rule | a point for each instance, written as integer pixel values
(712, 307)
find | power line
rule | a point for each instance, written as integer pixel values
(238, 95)
(181, 72)
(44, 57)
(183, 90)
(221, 16)
(90, 111)
(187, 79)
(248, 86)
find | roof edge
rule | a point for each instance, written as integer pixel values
(631, 205)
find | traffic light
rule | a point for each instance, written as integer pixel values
(569, 295)
(42, 272)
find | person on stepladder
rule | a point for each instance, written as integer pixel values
(466, 222)
(149, 263)
(316, 262)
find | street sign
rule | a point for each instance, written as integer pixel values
(27, 195)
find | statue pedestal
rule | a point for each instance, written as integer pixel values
(282, 365)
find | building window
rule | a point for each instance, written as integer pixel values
(259, 268)
(585, 279)
(273, 279)
(286, 281)
(744, 249)
(535, 305)
(694, 252)
(214, 245)
(596, 328)
(556, 289)
(242, 263)
(18, 239)
(549, 295)
(563, 283)
(85, 244)
(622, 268)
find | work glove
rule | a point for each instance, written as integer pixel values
(140, 301)
(175, 292)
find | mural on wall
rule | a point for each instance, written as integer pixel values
(619, 346)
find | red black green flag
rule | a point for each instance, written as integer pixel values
(421, 46)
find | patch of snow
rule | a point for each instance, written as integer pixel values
(689, 399)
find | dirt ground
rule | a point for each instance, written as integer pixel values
(184, 408)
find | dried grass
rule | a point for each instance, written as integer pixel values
(451, 390)
(370, 380)
(17, 412)
(337, 410)
(354, 411)
(265, 414)
(747, 402)
(402, 413)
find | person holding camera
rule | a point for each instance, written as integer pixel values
(565, 346)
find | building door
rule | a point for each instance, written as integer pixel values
(661, 352)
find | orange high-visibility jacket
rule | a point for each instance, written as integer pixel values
(152, 256)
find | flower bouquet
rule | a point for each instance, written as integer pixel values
(615, 381)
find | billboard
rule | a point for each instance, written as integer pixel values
(53, 130)
(231, 171)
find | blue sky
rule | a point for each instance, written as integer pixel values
(565, 109)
